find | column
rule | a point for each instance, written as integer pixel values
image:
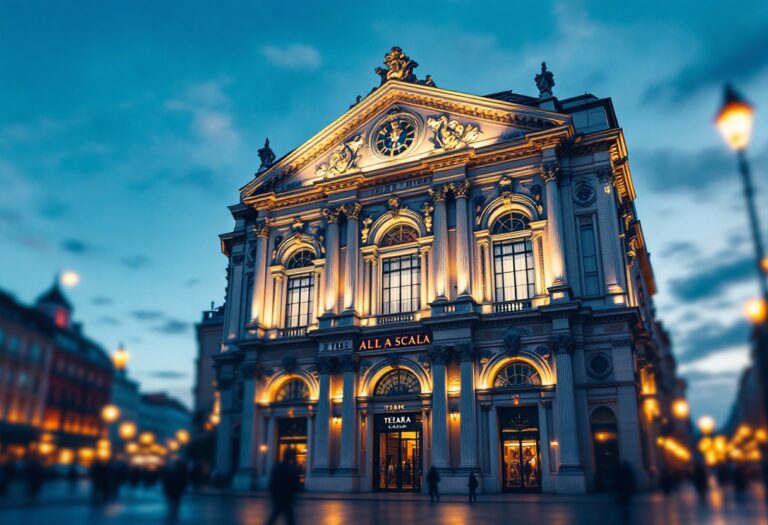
(424, 284)
(348, 414)
(352, 211)
(317, 299)
(467, 409)
(613, 265)
(323, 428)
(278, 300)
(463, 272)
(438, 356)
(331, 260)
(374, 284)
(233, 300)
(439, 195)
(367, 287)
(260, 271)
(549, 172)
(223, 459)
(571, 475)
(248, 432)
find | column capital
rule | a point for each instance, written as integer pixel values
(348, 363)
(371, 258)
(332, 215)
(549, 171)
(325, 365)
(439, 193)
(460, 189)
(606, 174)
(261, 228)
(467, 352)
(562, 344)
(351, 210)
(438, 355)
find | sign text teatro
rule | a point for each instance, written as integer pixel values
(395, 341)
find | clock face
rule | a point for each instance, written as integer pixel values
(394, 137)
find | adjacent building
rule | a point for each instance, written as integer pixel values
(209, 337)
(163, 416)
(444, 279)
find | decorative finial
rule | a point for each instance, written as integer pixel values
(545, 81)
(267, 156)
(400, 67)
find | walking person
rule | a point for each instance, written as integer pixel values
(433, 480)
(472, 484)
(625, 488)
(701, 481)
(175, 480)
(284, 483)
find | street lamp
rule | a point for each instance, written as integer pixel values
(182, 436)
(680, 408)
(734, 120)
(706, 425)
(120, 358)
(127, 430)
(110, 414)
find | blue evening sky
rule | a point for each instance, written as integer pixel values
(126, 128)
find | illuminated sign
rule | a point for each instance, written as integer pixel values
(394, 407)
(395, 341)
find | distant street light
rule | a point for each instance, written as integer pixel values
(127, 430)
(680, 408)
(734, 120)
(182, 436)
(110, 414)
(69, 279)
(146, 438)
(706, 425)
(120, 358)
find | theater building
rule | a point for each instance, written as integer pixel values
(440, 278)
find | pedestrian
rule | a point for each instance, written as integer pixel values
(472, 484)
(701, 481)
(175, 481)
(433, 480)
(625, 488)
(284, 483)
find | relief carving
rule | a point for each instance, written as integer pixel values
(342, 160)
(451, 134)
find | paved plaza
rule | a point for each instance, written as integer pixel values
(58, 506)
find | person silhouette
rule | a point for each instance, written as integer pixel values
(433, 480)
(284, 483)
(472, 483)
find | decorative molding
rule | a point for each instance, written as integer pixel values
(584, 193)
(438, 355)
(352, 210)
(466, 352)
(439, 194)
(348, 363)
(426, 211)
(451, 134)
(261, 228)
(342, 160)
(325, 365)
(461, 189)
(393, 359)
(606, 175)
(297, 228)
(366, 229)
(562, 344)
(549, 171)
(394, 205)
(332, 215)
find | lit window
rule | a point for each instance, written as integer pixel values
(300, 259)
(292, 390)
(299, 310)
(511, 222)
(516, 375)
(514, 270)
(400, 278)
(589, 256)
(398, 383)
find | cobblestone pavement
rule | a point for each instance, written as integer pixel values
(59, 506)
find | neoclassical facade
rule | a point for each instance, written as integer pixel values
(439, 278)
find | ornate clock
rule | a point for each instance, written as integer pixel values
(394, 136)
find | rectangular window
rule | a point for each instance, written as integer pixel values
(400, 280)
(299, 303)
(589, 256)
(514, 271)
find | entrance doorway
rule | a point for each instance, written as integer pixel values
(520, 457)
(606, 447)
(397, 461)
(292, 435)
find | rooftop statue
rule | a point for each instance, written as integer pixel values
(545, 81)
(400, 67)
(267, 157)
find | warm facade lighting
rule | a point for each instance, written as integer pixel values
(127, 430)
(680, 409)
(173, 445)
(454, 415)
(764, 264)
(756, 310)
(734, 120)
(110, 413)
(132, 448)
(146, 438)
(263, 449)
(554, 444)
(706, 424)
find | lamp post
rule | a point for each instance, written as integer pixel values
(734, 121)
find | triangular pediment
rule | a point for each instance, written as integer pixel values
(439, 120)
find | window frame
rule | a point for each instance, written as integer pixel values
(517, 386)
(586, 221)
(387, 253)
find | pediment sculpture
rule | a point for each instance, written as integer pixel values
(342, 160)
(451, 134)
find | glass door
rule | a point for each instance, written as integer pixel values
(520, 465)
(398, 463)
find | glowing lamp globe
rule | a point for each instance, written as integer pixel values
(756, 310)
(120, 358)
(69, 279)
(734, 120)
(110, 413)
(706, 424)
(680, 408)
(127, 430)
(182, 436)
(146, 438)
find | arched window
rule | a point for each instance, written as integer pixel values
(300, 259)
(400, 234)
(511, 222)
(513, 268)
(398, 383)
(293, 390)
(516, 375)
(603, 418)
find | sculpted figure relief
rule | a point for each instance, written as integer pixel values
(451, 134)
(342, 160)
(399, 66)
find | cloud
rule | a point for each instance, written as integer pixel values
(148, 315)
(684, 249)
(668, 170)
(741, 63)
(101, 301)
(167, 374)
(192, 282)
(701, 376)
(76, 247)
(136, 262)
(108, 319)
(53, 209)
(294, 56)
(711, 281)
(172, 327)
(710, 338)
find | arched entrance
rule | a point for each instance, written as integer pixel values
(397, 435)
(606, 447)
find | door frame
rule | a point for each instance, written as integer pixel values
(378, 430)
